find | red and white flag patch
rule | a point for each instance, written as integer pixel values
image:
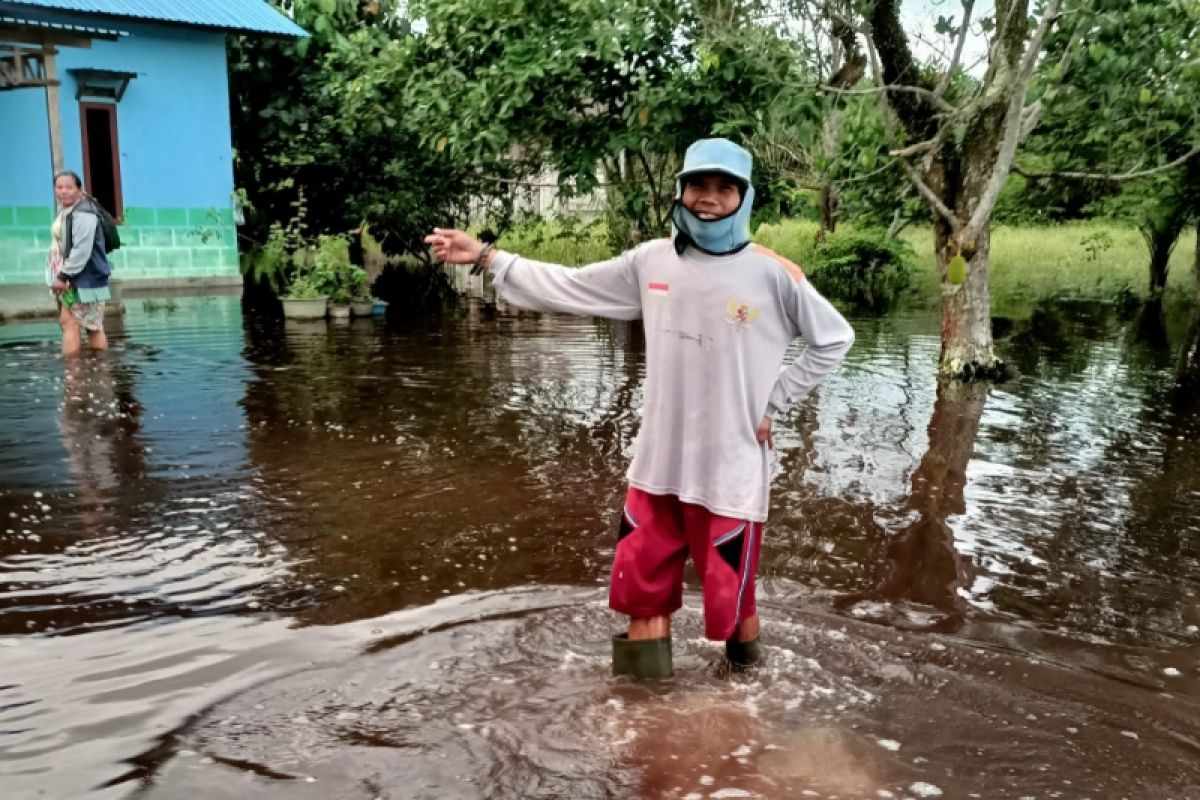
(659, 288)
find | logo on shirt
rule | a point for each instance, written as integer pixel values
(739, 314)
(658, 288)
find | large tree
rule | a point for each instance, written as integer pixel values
(955, 140)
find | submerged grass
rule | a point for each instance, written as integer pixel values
(1093, 260)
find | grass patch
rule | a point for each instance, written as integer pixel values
(1093, 260)
(1086, 260)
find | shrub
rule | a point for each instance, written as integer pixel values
(864, 268)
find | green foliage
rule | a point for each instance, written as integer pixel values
(1028, 265)
(210, 231)
(871, 187)
(332, 268)
(307, 287)
(271, 261)
(360, 285)
(321, 118)
(611, 89)
(864, 268)
(282, 257)
(857, 266)
(305, 269)
(794, 239)
(565, 240)
(1127, 102)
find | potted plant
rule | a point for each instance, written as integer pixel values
(339, 303)
(362, 304)
(305, 298)
(331, 262)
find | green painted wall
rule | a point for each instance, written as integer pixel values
(156, 243)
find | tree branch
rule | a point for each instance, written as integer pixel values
(944, 83)
(1012, 129)
(1030, 116)
(915, 149)
(1034, 49)
(917, 90)
(1073, 46)
(889, 126)
(1109, 176)
(892, 59)
(930, 195)
(866, 176)
(653, 186)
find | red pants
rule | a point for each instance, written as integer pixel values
(657, 534)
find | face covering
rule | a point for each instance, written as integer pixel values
(717, 236)
(724, 234)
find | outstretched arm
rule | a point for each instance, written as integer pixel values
(455, 247)
(606, 289)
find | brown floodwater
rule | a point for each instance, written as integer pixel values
(247, 559)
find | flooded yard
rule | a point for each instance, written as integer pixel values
(243, 558)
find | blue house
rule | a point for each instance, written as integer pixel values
(133, 95)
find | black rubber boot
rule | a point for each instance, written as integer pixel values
(743, 654)
(641, 658)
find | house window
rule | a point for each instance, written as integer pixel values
(101, 157)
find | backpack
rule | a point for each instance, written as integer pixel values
(112, 234)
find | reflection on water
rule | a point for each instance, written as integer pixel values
(417, 515)
(923, 566)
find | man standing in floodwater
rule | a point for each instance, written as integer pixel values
(719, 314)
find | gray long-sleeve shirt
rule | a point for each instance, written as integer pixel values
(717, 330)
(83, 237)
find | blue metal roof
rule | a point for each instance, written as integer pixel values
(255, 16)
(61, 27)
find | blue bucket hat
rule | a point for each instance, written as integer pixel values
(731, 231)
(717, 155)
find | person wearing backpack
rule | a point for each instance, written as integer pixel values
(78, 268)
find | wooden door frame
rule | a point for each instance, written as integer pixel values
(115, 155)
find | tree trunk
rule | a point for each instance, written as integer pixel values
(1193, 192)
(960, 178)
(1160, 262)
(829, 206)
(967, 347)
(831, 135)
(1162, 225)
(1161, 236)
(1189, 355)
(853, 66)
(923, 566)
(1196, 265)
